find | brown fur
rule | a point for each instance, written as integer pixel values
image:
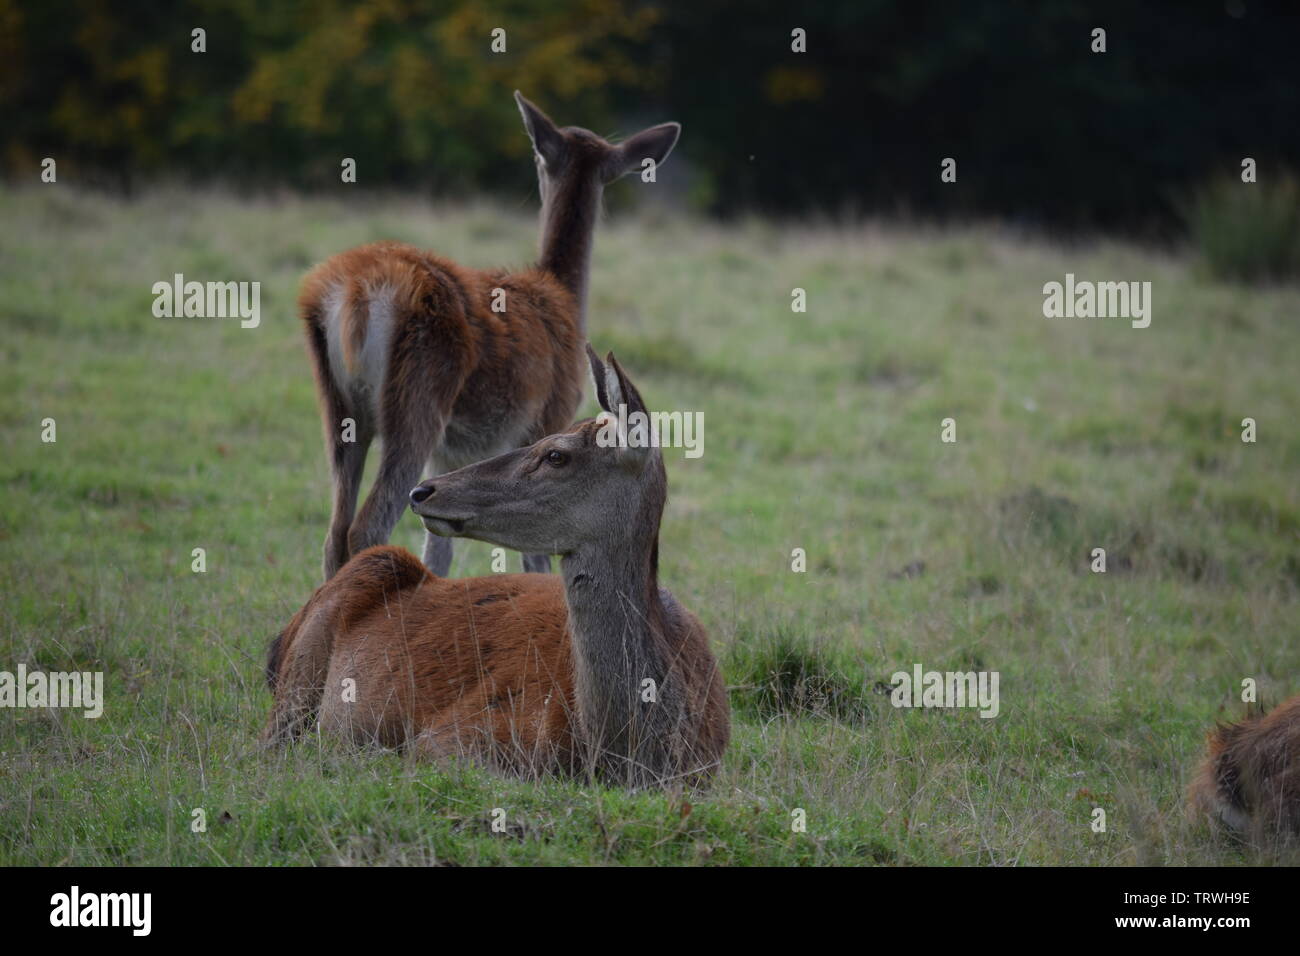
(599, 671)
(456, 370)
(478, 667)
(451, 352)
(406, 344)
(1250, 778)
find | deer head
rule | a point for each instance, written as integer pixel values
(570, 493)
(574, 153)
(573, 167)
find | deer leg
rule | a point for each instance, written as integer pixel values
(346, 445)
(348, 463)
(301, 678)
(437, 554)
(538, 563)
(399, 471)
(437, 549)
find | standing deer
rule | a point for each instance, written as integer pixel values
(449, 365)
(599, 671)
(1249, 781)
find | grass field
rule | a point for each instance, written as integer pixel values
(822, 432)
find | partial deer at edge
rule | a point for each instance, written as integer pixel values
(596, 671)
(408, 347)
(1249, 781)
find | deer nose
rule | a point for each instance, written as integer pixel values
(420, 492)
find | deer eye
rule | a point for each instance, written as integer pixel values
(557, 458)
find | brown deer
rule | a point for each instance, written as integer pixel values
(597, 671)
(449, 365)
(1250, 780)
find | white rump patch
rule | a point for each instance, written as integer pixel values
(369, 366)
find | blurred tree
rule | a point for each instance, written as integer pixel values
(1042, 128)
(412, 91)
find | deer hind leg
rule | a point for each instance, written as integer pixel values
(347, 464)
(428, 358)
(408, 443)
(399, 472)
(464, 731)
(348, 434)
(301, 674)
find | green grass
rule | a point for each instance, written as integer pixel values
(822, 432)
(1247, 231)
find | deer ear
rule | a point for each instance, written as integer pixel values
(637, 438)
(598, 378)
(613, 387)
(548, 142)
(654, 143)
(627, 392)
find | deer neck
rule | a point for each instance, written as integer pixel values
(568, 227)
(621, 637)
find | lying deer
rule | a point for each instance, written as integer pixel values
(1250, 780)
(598, 670)
(449, 365)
